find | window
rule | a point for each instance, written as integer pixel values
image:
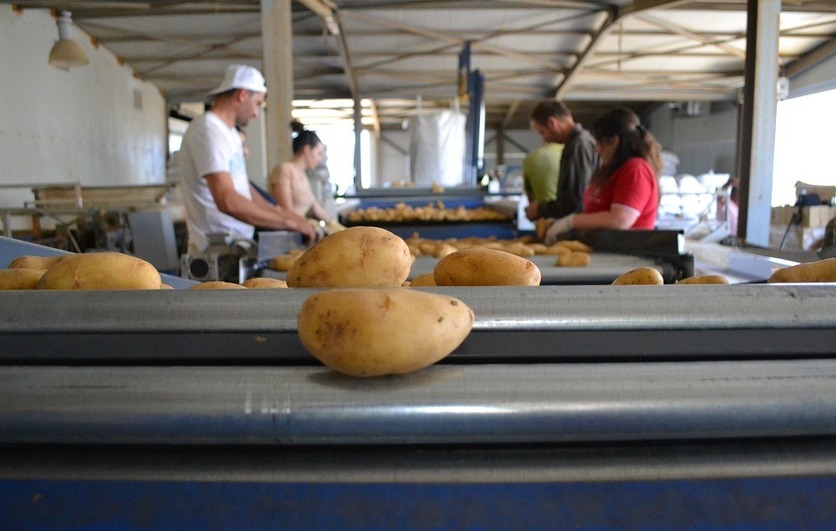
(803, 145)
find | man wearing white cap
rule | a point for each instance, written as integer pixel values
(217, 192)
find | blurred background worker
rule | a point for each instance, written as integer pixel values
(217, 194)
(553, 121)
(540, 170)
(624, 192)
(289, 183)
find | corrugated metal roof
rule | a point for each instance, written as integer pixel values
(589, 52)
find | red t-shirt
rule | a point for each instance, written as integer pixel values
(632, 186)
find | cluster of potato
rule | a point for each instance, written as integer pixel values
(402, 212)
(818, 271)
(569, 253)
(648, 276)
(91, 271)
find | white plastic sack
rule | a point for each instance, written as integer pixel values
(437, 148)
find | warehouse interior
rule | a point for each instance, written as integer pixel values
(573, 405)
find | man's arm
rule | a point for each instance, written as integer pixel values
(256, 213)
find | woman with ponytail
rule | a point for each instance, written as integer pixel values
(624, 192)
(289, 184)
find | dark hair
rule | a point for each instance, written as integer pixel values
(634, 141)
(303, 137)
(549, 108)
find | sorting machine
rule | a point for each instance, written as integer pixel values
(572, 405)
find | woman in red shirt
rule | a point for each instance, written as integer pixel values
(624, 192)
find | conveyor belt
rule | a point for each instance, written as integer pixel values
(535, 324)
(439, 405)
(603, 268)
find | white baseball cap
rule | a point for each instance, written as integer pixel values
(241, 77)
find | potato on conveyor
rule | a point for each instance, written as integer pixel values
(479, 266)
(647, 276)
(20, 278)
(427, 279)
(264, 283)
(818, 271)
(703, 279)
(576, 245)
(217, 284)
(376, 332)
(108, 270)
(35, 262)
(282, 262)
(358, 257)
(573, 259)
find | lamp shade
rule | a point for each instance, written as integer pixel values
(67, 53)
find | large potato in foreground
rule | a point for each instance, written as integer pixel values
(101, 271)
(478, 266)
(19, 278)
(374, 332)
(358, 257)
(818, 271)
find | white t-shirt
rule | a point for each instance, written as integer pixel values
(210, 146)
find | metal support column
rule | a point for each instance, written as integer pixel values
(277, 39)
(757, 137)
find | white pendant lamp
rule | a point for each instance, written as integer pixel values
(66, 53)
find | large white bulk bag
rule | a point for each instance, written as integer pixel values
(437, 148)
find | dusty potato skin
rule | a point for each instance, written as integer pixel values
(818, 271)
(35, 262)
(217, 284)
(358, 257)
(103, 271)
(264, 283)
(646, 276)
(19, 278)
(479, 266)
(702, 280)
(376, 332)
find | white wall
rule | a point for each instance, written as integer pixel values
(96, 124)
(702, 143)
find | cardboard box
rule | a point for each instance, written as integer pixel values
(814, 216)
(825, 193)
(798, 238)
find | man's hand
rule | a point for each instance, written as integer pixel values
(532, 211)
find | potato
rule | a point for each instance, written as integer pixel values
(818, 271)
(368, 257)
(217, 284)
(108, 270)
(443, 250)
(19, 278)
(264, 283)
(480, 266)
(556, 249)
(539, 248)
(573, 259)
(703, 279)
(36, 262)
(427, 279)
(282, 262)
(640, 276)
(576, 245)
(375, 332)
(518, 248)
